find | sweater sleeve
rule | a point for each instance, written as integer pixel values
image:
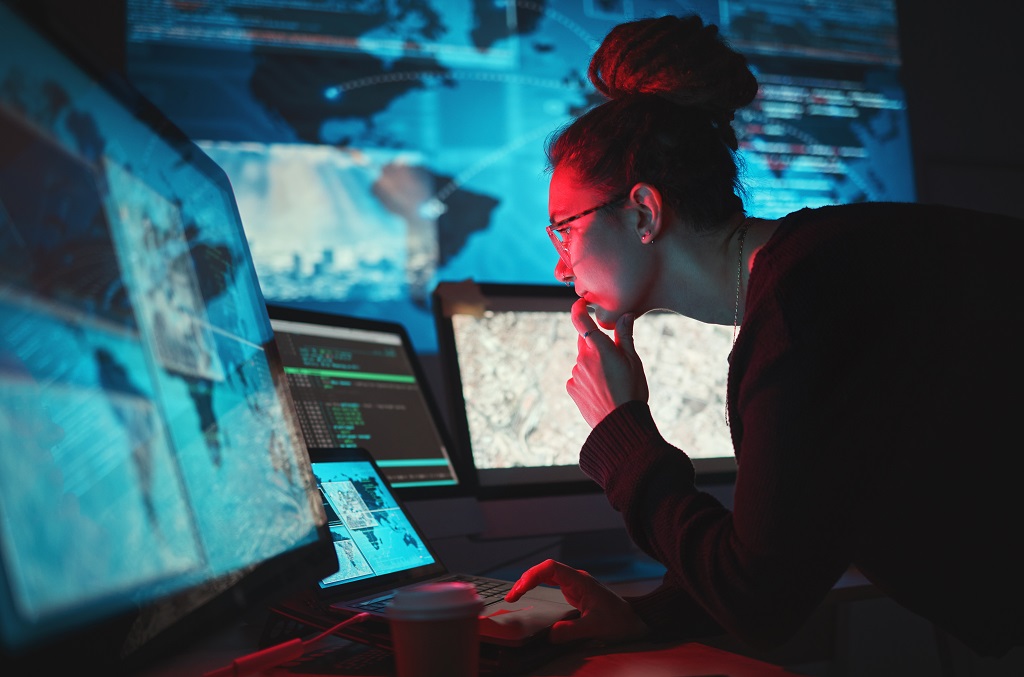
(802, 366)
(853, 395)
(757, 570)
(630, 432)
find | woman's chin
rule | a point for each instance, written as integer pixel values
(605, 319)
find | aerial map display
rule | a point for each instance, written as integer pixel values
(513, 368)
(377, 148)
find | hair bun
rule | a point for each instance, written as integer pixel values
(679, 58)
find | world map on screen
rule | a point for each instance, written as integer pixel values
(378, 148)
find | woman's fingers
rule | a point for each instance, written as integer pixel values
(548, 572)
(582, 321)
(603, 614)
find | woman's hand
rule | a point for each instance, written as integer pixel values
(603, 614)
(607, 373)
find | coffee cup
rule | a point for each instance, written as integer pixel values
(435, 630)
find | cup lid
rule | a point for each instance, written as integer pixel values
(450, 599)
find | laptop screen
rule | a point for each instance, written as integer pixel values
(372, 535)
(375, 538)
(357, 383)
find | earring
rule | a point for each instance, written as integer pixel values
(647, 238)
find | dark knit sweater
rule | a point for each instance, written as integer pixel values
(873, 396)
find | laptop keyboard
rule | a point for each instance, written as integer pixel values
(489, 590)
(373, 605)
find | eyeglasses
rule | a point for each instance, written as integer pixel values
(559, 230)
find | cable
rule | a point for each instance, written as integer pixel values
(273, 656)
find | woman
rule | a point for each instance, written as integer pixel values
(870, 404)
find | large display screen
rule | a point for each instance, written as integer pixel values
(379, 148)
(150, 467)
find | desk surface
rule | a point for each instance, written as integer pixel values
(336, 656)
(688, 659)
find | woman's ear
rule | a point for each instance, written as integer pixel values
(647, 202)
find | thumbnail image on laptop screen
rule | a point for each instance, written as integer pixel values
(372, 534)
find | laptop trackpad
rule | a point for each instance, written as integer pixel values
(530, 616)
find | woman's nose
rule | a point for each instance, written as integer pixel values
(563, 273)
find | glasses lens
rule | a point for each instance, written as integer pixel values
(556, 240)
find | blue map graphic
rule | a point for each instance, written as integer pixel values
(136, 397)
(377, 150)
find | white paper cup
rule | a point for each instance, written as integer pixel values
(435, 630)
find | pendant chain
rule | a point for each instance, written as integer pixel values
(739, 281)
(736, 308)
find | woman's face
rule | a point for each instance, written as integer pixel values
(609, 265)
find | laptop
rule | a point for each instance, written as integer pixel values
(367, 417)
(381, 550)
(358, 382)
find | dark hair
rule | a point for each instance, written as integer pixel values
(673, 86)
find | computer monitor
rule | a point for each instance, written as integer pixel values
(358, 382)
(507, 351)
(153, 481)
(402, 143)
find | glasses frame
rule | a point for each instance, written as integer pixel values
(558, 228)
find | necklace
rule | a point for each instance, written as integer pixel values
(739, 281)
(736, 308)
